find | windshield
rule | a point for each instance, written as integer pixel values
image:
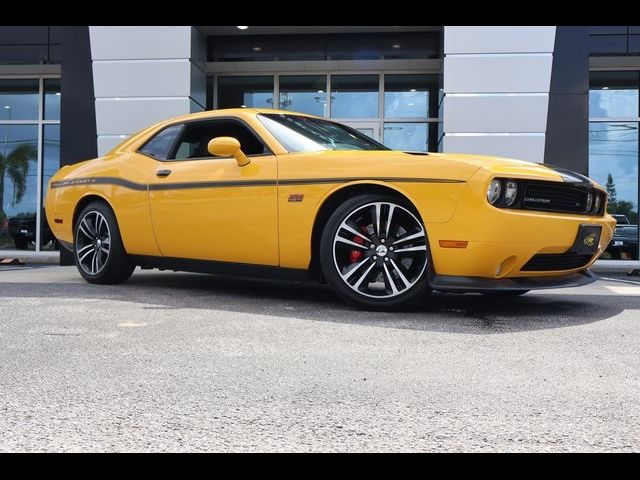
(298, 133)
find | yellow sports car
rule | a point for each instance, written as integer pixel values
(268, 191)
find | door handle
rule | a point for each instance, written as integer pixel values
(163, 173)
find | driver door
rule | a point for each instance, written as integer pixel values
(209, 208)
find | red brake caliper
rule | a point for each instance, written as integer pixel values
(356, 255)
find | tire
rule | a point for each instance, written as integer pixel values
(377, 278)
(505, 293)
(21, 243)
(100, 257)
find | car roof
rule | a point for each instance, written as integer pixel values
(239, 112)
(133, 141)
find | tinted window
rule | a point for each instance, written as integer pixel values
(410, 96)
(52, 99)
(332, 46)
(244, 91)
(354, 96)
(160, 146)
(304, 93)
(195, 139)
(19, 99)
(298, 133)
(613, 94)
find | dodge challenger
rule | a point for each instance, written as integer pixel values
(268, 192)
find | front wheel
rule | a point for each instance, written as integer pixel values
(100, 255)
(374, 253)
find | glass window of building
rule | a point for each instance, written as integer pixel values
(407, 120)
(334, 46)
(304, 94)
(50, 165)
(613, 95)
(29, 156)
(613, 152)
(18, 185)
(410, 96)
(245, 91)
(19, 99)
(407, 136)
(52, 99)
(354, 96)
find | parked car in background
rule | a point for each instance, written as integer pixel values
(621, 219)
(624, 244)
(23, 231)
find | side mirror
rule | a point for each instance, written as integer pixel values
(228, 146)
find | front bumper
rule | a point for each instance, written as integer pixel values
(449, 283)
(501, 241)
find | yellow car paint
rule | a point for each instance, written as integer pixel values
(260, 224)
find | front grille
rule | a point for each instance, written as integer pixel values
(562, 197)
(544, 262)
(555, 198)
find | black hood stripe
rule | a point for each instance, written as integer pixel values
(570, 176)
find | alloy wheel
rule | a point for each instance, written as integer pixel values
(93, 243)
(380, 250)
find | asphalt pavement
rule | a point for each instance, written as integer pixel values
(186, 362)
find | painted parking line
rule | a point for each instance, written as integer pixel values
(624, 290)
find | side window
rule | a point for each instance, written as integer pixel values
(196, 136)
(160, 146)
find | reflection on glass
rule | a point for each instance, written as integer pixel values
(250, 92)
(304, 93)
(354, 96)
(19, 99)
(406, 136)
(367, 131)
(410, 96)
(301, 133)
(613, 163)
(52, 99)
(18, 186)
(50, 164)
(613, 94)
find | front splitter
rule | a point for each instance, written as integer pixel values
(450, 283)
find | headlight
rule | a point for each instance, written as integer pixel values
(596, 207)
(589, 201)
(494, 191)
(511, 192)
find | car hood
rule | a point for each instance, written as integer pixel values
(511, 167)
(440, 165)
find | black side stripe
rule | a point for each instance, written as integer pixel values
(313, 181)
(240, 183)
(99, 181)
(190, 185)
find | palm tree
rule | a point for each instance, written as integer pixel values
(16, 166)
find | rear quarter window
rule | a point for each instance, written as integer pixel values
(160, 145)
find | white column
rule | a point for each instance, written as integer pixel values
(496, 90)
(145, 74)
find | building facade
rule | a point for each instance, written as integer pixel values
(563, 95)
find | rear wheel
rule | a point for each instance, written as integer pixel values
(100, 255)
(374, 253)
